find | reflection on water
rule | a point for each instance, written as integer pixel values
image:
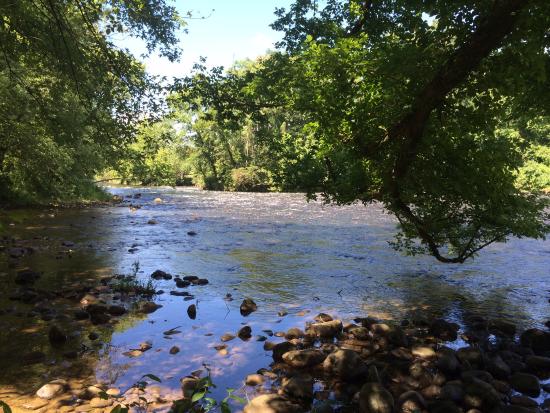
(276, 248)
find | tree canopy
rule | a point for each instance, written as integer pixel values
(427, 107)
(70, 99)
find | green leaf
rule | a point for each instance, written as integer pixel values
(103, 395)
(237, 398)
(197, 396)
(119, 409)
(225, 407)
(5, 407)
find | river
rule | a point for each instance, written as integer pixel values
(287, 254)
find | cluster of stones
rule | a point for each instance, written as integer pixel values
(372, 367)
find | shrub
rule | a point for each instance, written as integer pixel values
(249, 179)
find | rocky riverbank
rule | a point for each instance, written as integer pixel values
(327, 365)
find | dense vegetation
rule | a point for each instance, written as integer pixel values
(438, 110)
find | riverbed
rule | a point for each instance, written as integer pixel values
(291, 257)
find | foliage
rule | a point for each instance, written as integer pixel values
(70, 100)
(5, 407)
(249, 179)
(420, 106)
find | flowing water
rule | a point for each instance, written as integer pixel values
(286, 254)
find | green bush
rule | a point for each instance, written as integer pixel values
(249, 179)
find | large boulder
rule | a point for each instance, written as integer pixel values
(525, 383)
(327, 329)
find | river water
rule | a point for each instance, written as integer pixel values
(286, 254)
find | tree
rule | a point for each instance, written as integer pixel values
(413, 104)
(70, 100)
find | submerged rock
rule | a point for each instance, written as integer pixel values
(56, 336)
(304, 358)
(248, 306)
(245, 333)
(161, 275)
(271, 403)
(148, 307)
(192, 311)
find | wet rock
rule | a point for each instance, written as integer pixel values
(181, 283)
(50, 390)
(271, 403)
(254, 380)
(190, 278)
(323, 318)
(410, 402)
(327, 329)
(244, 333)
(498, 368)
(482, 390)
(227, 337)
(423, 352)
(502, 328)
(200, 281)
(161, 275)
(299, 388)
(523, 401)
(116, 310)
(538, 364)
(192, 311)
(93, 336)
(343, 364)
(188, 386)
(26, 276)
(303, 358)
(525, 383)
(174, 350)
(293, 333)
(148, 307)
(469, 355)
(373, 398)
(152, 222)
(447, 362)
(56, 336)
(445, 406)
(99, 403)
(191, 233)
(443, 330)
(360, 333)
(99, 318)
(280, 349)
(35, 404)
(248, 306)
(146, 345)
(453, 391)
(538, 340)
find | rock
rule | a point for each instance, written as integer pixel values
(99, 318)
(34, 404)
(502, 328)
(280, 349)
(182, 283)
(161, 275)
(201, 281)
(157, 201)
(373, 398)
(323, 318)
(248, 306)
(271, 403)
(410, 402)
(443, 330)
(327, 329)
(538, 340)
(445, 406)
(190, 278)
(26, 276)
(254, 380)
(146, 345)
(244, 333)
(523, 401)
(148, 307)
(99, 403)
(192, 311)
(343, 364)
(469, 355)
(360, 333)
(50, 390)
(227, 337)
(152, 222)
(423, 352)
(93, 335)
(34, 357)
(538, 364)
(525, 383)
(299, 388)
(453, 391)
(293, 333)
(482, 390)
(174, 350)
(191, 233)
(116, 310)
(498, 368)
(447, 362)
(56, 336)
(303, 358)
(188, 386)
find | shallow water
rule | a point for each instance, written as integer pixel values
(283, 252)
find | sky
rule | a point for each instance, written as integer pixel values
(232, 30)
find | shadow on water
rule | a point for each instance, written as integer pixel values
(288, 255)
